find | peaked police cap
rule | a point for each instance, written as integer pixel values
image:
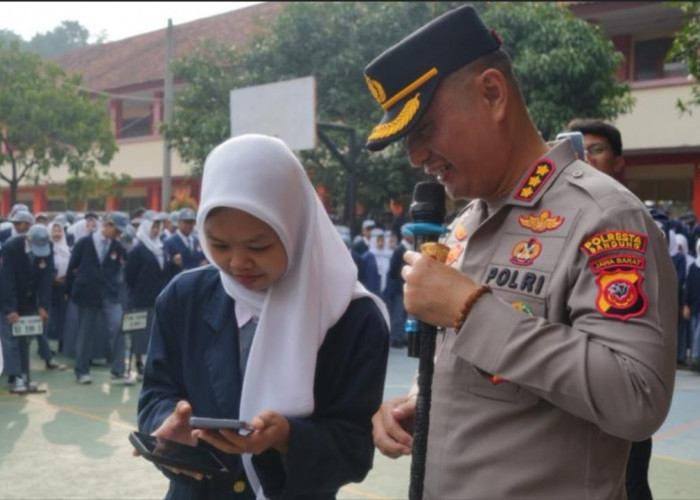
(403, 79)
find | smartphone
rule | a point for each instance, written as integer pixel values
(220, 423)
(166, 452)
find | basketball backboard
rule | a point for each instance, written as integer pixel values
(285, 109)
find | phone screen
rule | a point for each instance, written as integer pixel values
(167, 452)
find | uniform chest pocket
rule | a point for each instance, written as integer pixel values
(472, 381)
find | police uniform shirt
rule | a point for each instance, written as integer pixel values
(571, 356)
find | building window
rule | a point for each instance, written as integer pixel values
(57, 205)
(676, 194)
(95, 205)
(129, 204)
(136, 127)
(650, 60)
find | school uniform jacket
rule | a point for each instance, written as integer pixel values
(193, 355)
(89, 282)
(190, 258)
(573, 354)
(145, 278)
(26, 285)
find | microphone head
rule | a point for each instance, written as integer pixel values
(428, 203)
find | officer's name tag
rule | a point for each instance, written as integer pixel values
(134, 320)
(28, 326)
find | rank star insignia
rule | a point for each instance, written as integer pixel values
(535, 181)
(545, 221)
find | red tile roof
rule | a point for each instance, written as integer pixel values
(140, 59)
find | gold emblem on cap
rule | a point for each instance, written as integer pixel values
(409, 88)
(396, 125)
(376, 89)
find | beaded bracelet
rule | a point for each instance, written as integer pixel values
(468, 304)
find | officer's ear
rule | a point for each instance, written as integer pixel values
(493, 90)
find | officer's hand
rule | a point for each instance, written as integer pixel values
(392, 426)
(271, 431)
(434, 292)
(13, 317)
(177, 259)
(43, 314)
(686, 312)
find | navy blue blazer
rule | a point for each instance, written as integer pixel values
(145, 278)
(89, 282)
(190, 259)
(26, 285)
(193, 355)
(394, 280)
(5, 235)
(369, 273)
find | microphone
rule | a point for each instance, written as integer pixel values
(427, 211)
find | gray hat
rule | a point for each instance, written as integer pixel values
(22, 216)
(128, 234)
(187, 214)
(174, 216)
(368, 224)
(119, 219)
(38, 236)
(16, 208)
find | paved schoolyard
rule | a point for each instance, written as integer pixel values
(71, 442)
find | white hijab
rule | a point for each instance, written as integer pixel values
(155, 245)
(261, 176)
(61, 250)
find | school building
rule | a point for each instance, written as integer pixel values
(661, 146)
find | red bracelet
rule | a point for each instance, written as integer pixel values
(468, 304)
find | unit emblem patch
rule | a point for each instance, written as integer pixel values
(614, 240)
(525, 252)
(620, 294)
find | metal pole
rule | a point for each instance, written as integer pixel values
(167, 115)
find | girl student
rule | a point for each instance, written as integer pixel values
(277, 332)
(148, 270)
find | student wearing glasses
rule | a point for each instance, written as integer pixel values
(602, 144)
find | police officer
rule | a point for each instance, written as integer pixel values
(557, 306)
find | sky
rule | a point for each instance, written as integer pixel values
(117, 20)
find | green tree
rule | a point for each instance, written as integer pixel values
(686, 47)
(67, 36)
(566, 67)
(8, 36)
(46, 121)
(81, 187)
